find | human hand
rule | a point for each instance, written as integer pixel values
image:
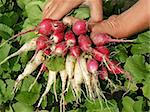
(134, 20)
(56, 9)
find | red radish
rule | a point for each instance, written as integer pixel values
(70, 38)
(57, 37)
(104, 50)
(75, 51)
(85, 43)
(102, 39)
(61, 49)
(45, 27)
(115, 68)
(47, 51)
(103, 73)
(42, 43)
(58, 26)
(92, 66)
(42, 69)
(80, 27)
(29, 46)
(97, 55)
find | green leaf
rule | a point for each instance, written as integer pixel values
(143, 44)
(136, 66)
(4, 51)
(82, 13)
(146, 89)
(34, 12)
(2, 91)
(16, 67)
(138, 105)
(5, 31)
(96, 106)
(69, 98)
(27, 97)
(20, 107)
(56, 63)
(127, 104)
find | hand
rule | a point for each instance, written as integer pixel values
(56, 9)
(134, 20)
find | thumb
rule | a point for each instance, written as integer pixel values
(125, 24)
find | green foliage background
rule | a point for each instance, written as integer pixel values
(19, 15)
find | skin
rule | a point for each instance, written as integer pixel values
(133, 20)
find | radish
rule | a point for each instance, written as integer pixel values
(42, 69)
(70, 39)
(103, 73)
(51, 80)
(69, 66)
(97, 55)
(102, 39)
(42, 43)
(61, 49)
(47, 52)
(58, 26)
(75, 51)
(79, 27)
(30, 67)
(86, 76)
(104, 50)
(77, 81)
(92, 66)
(45, 27)
(57, 37)
(29, 46)
(85, 43)
(63, 75)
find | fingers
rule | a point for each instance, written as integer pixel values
(56, 9)
(69, 20)
(96, 10)
(126, 24)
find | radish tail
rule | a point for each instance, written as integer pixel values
(19, 34)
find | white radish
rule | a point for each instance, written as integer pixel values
(51, 80)
(86, 77)
(63, 76)
(30, 67)
(69, 66)
(29, 46)
(77, 81)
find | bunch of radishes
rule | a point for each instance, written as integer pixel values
(86, 59)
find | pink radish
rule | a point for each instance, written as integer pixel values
(61, 49)
(42, 43)
(79, 27)
(29, 46)
(47, 51)
(86, 76)
(85, 43)
(45, 27)
(102, 39)
(75, 51)
(51, 80)
(92, 66)
(97, 55)
(58, 26)
(104, 50)
(103, 73)
(70, 39)
(42, 69)
(57, 37)
(30, 67)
